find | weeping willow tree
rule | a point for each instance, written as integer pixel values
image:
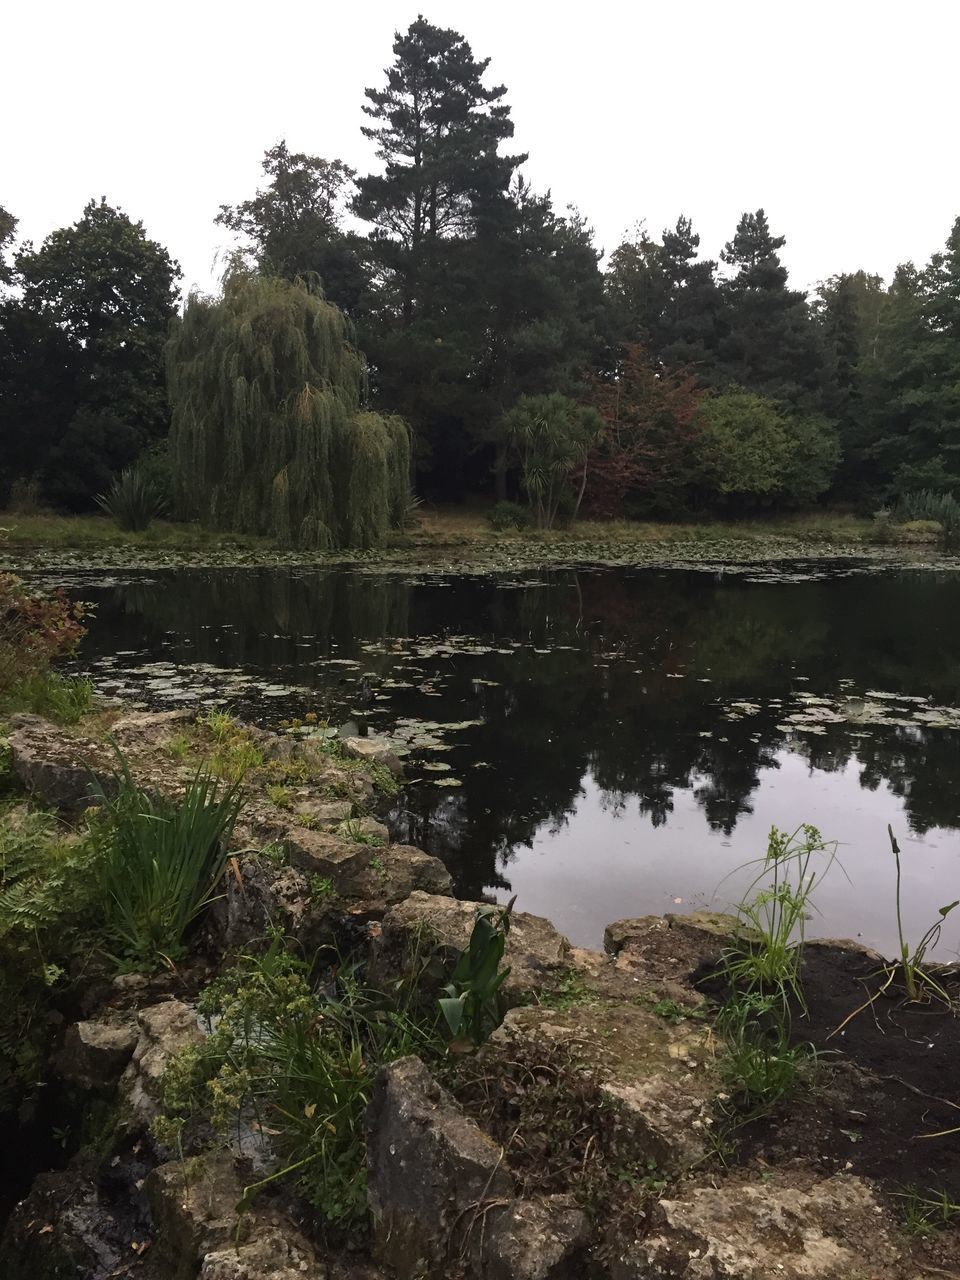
(268, 435)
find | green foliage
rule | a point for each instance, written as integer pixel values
(746, 444)
(133, 500)
(550, 436)
(268, 436)
(508, 515)
(473, 1004)
(354, 830)
(298, 1052)
(926, 1213)
(47, 892)
(161, 862)
(927, 504)
(110, 292)
(292, 225)
(759, 1064)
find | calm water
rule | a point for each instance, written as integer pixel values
(603, 743)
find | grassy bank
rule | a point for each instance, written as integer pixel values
(452, 539)
(77, 532)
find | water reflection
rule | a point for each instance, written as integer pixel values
(611, 773)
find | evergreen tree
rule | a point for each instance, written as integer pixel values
(293, 225)
(8, 229)
(443, 190)
(664, 299)
(269, 435)
(849, 309)
(769, 344)
(111, 291)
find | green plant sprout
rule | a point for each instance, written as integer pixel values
(473, 1004)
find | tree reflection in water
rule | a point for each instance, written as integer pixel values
(605, 699)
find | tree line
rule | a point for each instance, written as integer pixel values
(660, 383)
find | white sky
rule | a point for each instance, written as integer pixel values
(838, 117)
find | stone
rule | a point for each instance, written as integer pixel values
(258, 895)
(362, 871)
(194, 1207)
(323, 813)
(275, 1253)
(150, 730)
(662, 956)
(430, 1170)
(756, 1231)
(376, 750)
(658, 1076)
(55, 767)
(542, 1239)
(165, 1029)
(94, 1054)
(536, 952)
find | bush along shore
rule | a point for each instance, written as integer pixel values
(245, 1035)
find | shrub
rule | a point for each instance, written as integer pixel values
(160, 865)
(133, 500)
(35, 629)
(926, 505)
(508, 515)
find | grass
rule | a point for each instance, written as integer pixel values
(101, 531)
(354, 830)
(926, 1213)
(60, 698)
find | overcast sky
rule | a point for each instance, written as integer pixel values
(839, 118)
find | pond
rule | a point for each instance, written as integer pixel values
(600, 742)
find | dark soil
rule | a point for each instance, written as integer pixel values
(889, 1077)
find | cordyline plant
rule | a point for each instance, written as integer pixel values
(550, 437)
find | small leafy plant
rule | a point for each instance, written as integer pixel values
(508, 515)
(472, 1005)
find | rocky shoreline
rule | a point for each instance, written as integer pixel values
(461, 1183)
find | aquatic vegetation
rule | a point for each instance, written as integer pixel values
(160, 863)
(473, 1003)
(134, 500)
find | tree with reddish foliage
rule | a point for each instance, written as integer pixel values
(648, 458)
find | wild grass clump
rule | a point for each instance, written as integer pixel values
(160, 864)
(134, 500)
(293, 1050)
(761, 973)
(65, 699)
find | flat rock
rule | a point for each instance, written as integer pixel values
(834, 1231)
(538, 955)
(94, 1054)
(430, 1170)
(63, 771)
(378, 750)
(365, 872)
